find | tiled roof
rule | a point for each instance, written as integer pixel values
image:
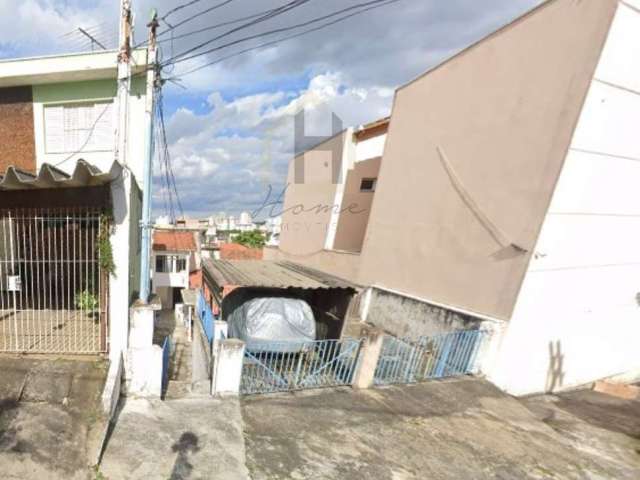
(173, 241)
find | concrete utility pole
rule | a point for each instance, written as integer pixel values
(124, 79)
(152, 86)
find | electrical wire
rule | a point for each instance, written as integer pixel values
(279, 11)
(364, 7)
(196, 15)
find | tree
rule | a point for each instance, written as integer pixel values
(253, 239)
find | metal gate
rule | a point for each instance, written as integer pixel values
(286, 366)
(409, 360)
(53, 289)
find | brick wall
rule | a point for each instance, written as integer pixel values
(17, 139)
(235, 251)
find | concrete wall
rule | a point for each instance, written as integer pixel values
(339, 263)
(577, 318)
(503, 111)
(356, 206)
(404, 316)
(310, 198)
(16, 129)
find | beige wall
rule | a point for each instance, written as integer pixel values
(308, 205)
(504, 112)
(356, 206)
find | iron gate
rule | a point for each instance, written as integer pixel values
(287, 366)
(409, 360)
(53, 289)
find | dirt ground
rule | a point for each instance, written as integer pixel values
(456, 429)
(50, 420)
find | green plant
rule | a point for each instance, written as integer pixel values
(253, 239)
(87, 301)
(105, 251)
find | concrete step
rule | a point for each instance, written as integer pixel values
(178, 389)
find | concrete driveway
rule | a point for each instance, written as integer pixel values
(50, 421)
(456, 429)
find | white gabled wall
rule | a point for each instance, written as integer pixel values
(577, 318)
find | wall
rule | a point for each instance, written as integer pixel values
(17, 145)
(310, 198)
(339, 263)
(503, 111)
(356, 206)
(235, 251)
(577, 318)
(403, 316)
(92, 90)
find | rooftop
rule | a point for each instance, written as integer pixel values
(173, 241)
(269, 274)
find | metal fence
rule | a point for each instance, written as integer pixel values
(166, 358)
(53, 291)
(206, 316)
(287, 366)
(408, 360)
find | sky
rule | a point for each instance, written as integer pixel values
(230, 125)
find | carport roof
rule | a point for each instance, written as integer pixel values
(270, 274)
(84, 175)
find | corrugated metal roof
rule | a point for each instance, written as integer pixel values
(270, 274)
(84, 175)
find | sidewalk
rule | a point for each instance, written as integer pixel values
(194, 438)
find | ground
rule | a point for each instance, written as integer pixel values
(456, 429)
(191, 438)
(50, 420)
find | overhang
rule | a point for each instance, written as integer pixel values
(269, 274)
(84, 175)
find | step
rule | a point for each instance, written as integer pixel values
(178, 389)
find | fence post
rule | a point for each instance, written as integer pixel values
(227, 367)
(369, 355)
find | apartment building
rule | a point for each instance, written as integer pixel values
(506, 195)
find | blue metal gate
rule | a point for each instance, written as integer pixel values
(409, 360)
(287, 366)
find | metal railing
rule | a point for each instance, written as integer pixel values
(166, 358)
(409, 360)
(206, 316)
(286, 366)
(53, 284)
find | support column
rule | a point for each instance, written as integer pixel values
(227, 367)
(369, 355)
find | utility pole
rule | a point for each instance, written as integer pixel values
(152, 86)
(124, 79)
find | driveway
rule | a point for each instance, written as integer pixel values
(50, 421)
(456, 429)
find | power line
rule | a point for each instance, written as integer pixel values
(276, 12)
(196, 15)
(366, 6)
(179, 7)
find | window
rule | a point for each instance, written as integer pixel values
(181, 265)
(162, 265)
(79, 127)
(368, 185)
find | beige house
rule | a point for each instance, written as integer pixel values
(507, 192)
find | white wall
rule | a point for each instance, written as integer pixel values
(577, 318)
(370, 148)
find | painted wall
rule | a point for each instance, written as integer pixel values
(74, 92)
(310, 197)
(339, 263)
(577, 318)
(503, 111)
(16, 129)
(356, 206)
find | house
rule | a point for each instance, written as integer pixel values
(175, 265)
(70, 202)
(506, 196)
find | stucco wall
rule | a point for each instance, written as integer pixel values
(17, 145)
(339, 263)
(356, 206)
(503, 112)
(577, 318)
(310, 197)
